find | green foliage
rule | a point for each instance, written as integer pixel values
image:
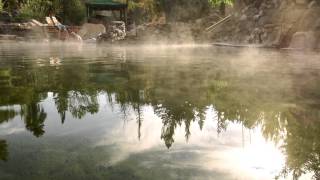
(1, 5)
(218, 2)
(38, 8)
(70, 11)
(145, 10)
(11, 5)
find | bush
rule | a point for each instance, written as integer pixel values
(73, 12)
(218, 2)
(38, 9)
(68, 11)
(1, 5)
(145, 10)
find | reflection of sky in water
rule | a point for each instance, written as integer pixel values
(237, 153)
(173, 81)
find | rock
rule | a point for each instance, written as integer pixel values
(261, 12)
(116, 31)
(312, 4)
(199, 21)
(303, 40)
(271, 37)
(14, 29)
(256, 36)
(251, 12)
(276, 3)
(92, 40)
(317, 25)
(256, 17)
(243, 17)
(317, 46)
(89, 30)
(184, 11)
(283, 5)
(301, 2)
(76, 37)
(245, 9)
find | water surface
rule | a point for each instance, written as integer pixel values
(72, 111)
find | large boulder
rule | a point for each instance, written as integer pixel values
(116, 31)
(89, 30)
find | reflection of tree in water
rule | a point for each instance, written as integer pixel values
(34, 117)
(7, 114)
(302, 144)
(82, 103)
(3, 150)
(77, 103)
(61, 101)
(179, 97)
(174, 117)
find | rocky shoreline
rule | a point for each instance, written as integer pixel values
(275, 23)
(272, 23)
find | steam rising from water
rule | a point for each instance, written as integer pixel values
(188, 70)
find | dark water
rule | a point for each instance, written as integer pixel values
(179, 112)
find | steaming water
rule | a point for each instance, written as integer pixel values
(69, 111)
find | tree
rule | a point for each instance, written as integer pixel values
(221, 4)
(1, 5)
(69, 11)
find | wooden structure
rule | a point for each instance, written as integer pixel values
(107, 5)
